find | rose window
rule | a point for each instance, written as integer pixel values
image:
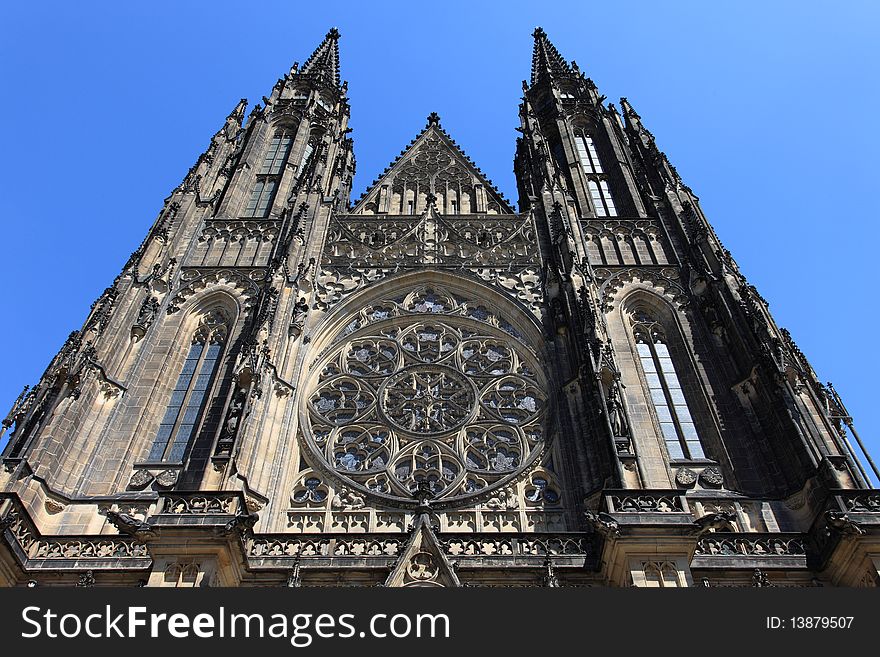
(427, 399)
(426, 388)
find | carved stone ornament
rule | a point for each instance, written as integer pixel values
(422, 567)
(53, 506)
(167, 478)
(86, 580)
(140, 480)
(426, 386)
(712, 477)
(685, 477)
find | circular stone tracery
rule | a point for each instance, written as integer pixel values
(433, 390)
(426, 399)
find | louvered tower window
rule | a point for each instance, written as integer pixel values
(664, 388)
(191, 393)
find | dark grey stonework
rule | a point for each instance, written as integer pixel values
(429, 386)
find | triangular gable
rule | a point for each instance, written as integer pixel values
(422, 562)
(434, 165)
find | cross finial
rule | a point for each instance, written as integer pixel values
(539, 32)
(433, 118)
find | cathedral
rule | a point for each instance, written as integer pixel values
(429, 385)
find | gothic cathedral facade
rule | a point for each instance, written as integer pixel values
(429, 386)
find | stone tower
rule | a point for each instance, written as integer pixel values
(428, 386)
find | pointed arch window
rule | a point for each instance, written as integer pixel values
(587, 153)
(190, 394)
(269, 174)
(260, 201)
(664, 387)
(276, 155)
(602, 200)
(591, 165)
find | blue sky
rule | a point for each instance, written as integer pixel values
(767, 109)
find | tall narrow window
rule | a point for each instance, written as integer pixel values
(269, 174)
(664, 387)
(190, 394)
(587, 153)
(260, 202)
(602, 201)
(276, 155)
(600, 194)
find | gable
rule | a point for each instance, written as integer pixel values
(432, 169)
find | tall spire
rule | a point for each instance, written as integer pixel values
(546, 60)
(324, 62)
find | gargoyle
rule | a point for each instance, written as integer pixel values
(130, 525)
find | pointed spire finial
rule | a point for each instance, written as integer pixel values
(237, 113)
(324, 62)
(433, 119)
(628, 109)
(546, 60)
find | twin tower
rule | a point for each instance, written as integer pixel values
(428, 386)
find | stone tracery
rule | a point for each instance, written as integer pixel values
(427, 387)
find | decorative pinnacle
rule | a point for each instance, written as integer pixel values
(546, 60)
(324, 62)
(433, 119)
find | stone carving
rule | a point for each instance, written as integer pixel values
(549, 579)
(685, 477)
(665, 279)
(53, 506)
(201, 503)
(603, 523)
(841, 523)
(146, 316)
(716, 521)
(311, 491)
(426, 387)
(140, 479)
(712, 477)
(87, 579)
(616, 414)
(167, 478)
(298, 319)
(242, 524)
(39, 548)
(760, 579)
(245, 281)
(749, 544)
(348, 500)
(646, 502)
(127, 524)
(624, 242)
(234, 415)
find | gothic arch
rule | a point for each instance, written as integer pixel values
(204, 318)
(426, 379)
(619, 284)
(519, 316)
(656, 316)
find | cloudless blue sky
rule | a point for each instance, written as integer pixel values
(767, 109)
